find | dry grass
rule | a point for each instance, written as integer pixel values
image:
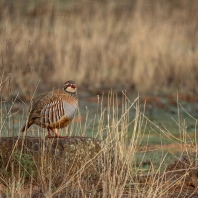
(122, 44)
(148, 45)
(117, 173)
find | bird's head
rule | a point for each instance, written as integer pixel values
(70, 87)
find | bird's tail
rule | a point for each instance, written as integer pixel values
(27, 125)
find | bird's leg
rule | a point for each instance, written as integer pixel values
(49, 135)
(55, 133)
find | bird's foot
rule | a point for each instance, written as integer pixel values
(55, 134)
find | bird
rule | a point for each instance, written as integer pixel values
(54, 110)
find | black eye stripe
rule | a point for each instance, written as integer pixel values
(70, 85)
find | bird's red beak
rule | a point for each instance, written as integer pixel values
(73, 86)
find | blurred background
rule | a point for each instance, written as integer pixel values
(146, 46)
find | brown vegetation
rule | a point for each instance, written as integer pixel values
(85, 167)
(143, 45)
(127, 44)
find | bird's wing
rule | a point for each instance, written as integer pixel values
(48, 105)
(52, 111)
(49, 108)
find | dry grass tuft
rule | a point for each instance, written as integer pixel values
(114, 171)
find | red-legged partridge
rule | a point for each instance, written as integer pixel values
(54, 110)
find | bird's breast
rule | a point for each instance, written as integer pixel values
(70, 109)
